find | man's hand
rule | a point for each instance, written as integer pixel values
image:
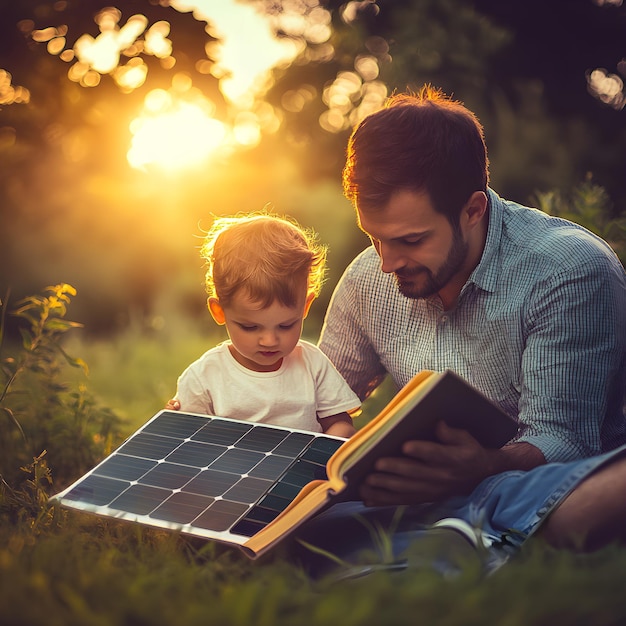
(172, 405)
(453, 466)
(429, 471)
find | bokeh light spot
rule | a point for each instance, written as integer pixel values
(12, 94)
(607, 87)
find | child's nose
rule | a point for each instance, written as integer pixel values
(268, 338)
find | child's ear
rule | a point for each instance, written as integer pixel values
(217, 312)
(308, 303)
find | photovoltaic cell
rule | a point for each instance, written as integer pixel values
(203, 475)
(294, 444)
(212, 483)
(169, 425)
(169, 475)
(124, 467)
(97, 491)
(237, 461)
(222, 432)
(271, 467)
(149, 446)
(182, 507)
(196, 454)
(140, 499)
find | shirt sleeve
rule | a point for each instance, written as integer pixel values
(575, 350)
(343, 338)
(333, 395)
(192, 393)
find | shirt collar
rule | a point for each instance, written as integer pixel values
(485, 274)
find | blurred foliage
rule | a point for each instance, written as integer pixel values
(413, 42)
(41, 411)
(588, 204)
(25, 505)
(73, 210)
(520, 66)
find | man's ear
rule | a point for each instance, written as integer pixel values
(308, 303)
(475, 208)
(217, 312)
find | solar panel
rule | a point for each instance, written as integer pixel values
(206, 476)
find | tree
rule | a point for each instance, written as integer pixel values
(72, 209)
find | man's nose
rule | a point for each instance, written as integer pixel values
(390, 261)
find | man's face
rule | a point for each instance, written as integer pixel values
(416, 244)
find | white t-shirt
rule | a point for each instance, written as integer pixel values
(305, 387)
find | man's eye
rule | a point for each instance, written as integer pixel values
(412, 242)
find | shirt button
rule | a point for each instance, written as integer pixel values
(444, 318)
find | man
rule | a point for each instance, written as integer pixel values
(529, 308)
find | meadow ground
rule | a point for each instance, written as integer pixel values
(76, 569)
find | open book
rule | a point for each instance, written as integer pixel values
(251, 485)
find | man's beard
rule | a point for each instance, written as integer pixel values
(433, 283)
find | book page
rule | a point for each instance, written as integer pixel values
(312, 498)
(366, 437)
(413, 414)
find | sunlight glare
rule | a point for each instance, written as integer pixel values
(248, 41)
(173, 134)
(246, 49)
(246, 130)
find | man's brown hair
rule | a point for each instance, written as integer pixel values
(417, 142)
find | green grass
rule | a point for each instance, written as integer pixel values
(80, 570)
(135, 373)
(107, 573)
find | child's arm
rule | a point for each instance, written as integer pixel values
(339, 425)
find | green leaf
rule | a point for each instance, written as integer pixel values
(61, 325)
(27, 339)
(75, 362)
(13, 420)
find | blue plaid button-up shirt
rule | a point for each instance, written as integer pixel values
(539, 327)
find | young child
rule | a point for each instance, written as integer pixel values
(263, 273)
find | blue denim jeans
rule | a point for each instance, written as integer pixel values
(501, 513)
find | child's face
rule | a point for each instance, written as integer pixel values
(261, 337)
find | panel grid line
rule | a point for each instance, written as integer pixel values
(204, 475)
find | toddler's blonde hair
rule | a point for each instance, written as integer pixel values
(270, 258)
